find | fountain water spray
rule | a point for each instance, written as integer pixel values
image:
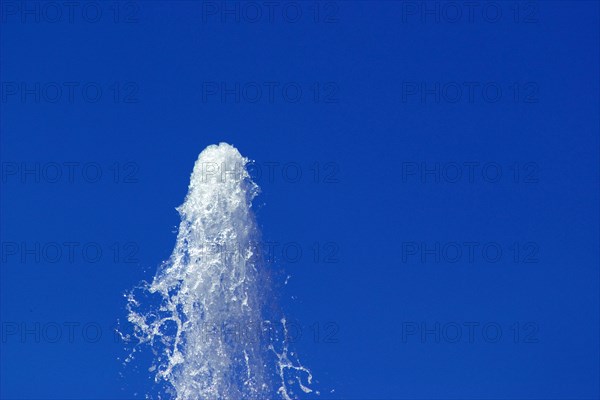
(206, 313)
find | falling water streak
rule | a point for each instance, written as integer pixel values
(215, 280)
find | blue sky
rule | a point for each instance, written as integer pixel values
(436, 167)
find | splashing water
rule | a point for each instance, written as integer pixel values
(207, 325)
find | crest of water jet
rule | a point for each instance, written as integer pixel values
(204, 314)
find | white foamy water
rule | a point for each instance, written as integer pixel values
(206, 315)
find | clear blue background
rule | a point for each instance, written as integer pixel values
(370, 294)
